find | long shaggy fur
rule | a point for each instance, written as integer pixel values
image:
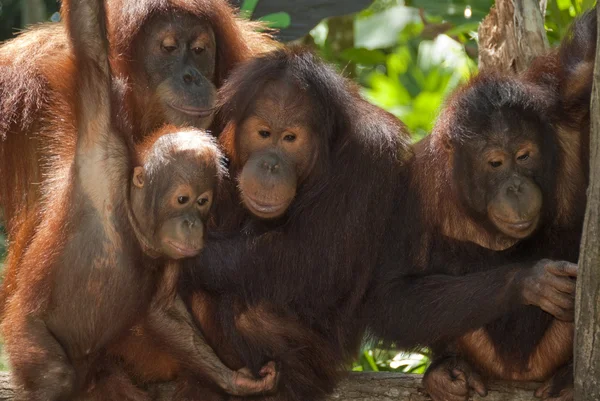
(292, 290)
(37, 100)
(445, 282)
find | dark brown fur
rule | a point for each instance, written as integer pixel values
(464, 287)
(289, 289)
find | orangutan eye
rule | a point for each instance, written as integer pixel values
(289, 138)
(198, 50)
(523, 157)
(182, 200)
(169, 48)
(495, 164)
(264, 134)
(202, 201)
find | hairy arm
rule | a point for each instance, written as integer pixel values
(100, 155)
(429, 307)
(86, 26)
(174, 326)
(422, 310)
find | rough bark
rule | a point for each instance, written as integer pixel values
(512, 35)
(365, 387)
(587, 311)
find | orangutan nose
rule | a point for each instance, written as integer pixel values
(515, 185)
(270, 163)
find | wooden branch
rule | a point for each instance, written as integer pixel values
(512, 35)
(364, 387)
(400, 387)
(587, 302)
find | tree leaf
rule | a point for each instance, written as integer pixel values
(279, 20)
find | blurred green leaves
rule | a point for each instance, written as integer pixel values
(560, 14)
(279, 20)
(408, 55)
(386, 360)
(404, 62)
(417, 77)
(456, 12)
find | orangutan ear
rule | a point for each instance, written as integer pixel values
(447, 144)
(138, 177)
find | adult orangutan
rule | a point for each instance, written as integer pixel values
(169, 57)
(500, 184)
(114, 223)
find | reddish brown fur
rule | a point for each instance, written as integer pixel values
(437, 158)
(553, 351)
(568, 72)
(569, 118)
(87, 209)
(290, 288)
(36, 106)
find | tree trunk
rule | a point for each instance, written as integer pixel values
(512, 35)
(587, 311)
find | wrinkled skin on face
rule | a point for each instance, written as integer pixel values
(172, 195)
(276, 145)
(500, 173)
(177, 54)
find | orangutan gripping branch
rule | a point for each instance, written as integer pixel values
(313, 174)
(493, 190)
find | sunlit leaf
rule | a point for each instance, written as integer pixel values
(368, 355)
(319, 33)
(564, 4)
(279, 20)
(381, 30)
(247, 8)
(408, 361)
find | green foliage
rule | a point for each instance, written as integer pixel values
(390, 360)
(417, 76)
(408, 55)
(406, 64)
(280, 20)
(560, 14)
(456, 12)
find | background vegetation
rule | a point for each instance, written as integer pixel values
(406, 55)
